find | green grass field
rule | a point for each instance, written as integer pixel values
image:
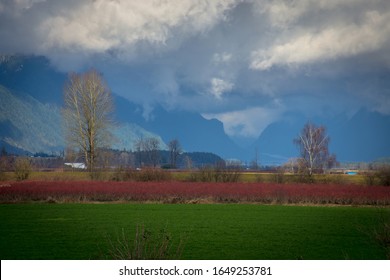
(214, 231)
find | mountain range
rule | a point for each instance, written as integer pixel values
(30, 117)
(30, 122)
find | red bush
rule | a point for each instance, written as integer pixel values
(185, 192)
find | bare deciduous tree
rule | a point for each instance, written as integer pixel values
(4, 163)
(255, 162)
(188, 162)
(174, 151)
(148, 151)
(139, 151)
(313, 144)
(87, 114)
(152, 149)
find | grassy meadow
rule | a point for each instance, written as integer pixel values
(208, 231)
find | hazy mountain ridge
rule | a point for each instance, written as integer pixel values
(194, 132)
(28, 124)
(126, 135)
(31, 83)
(30, 120)
(363, 137)
(33, 76)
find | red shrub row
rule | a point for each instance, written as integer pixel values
(185, 192)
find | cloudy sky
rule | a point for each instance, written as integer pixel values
(246, 63)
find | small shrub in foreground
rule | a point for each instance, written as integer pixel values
(22, 168)
(209, 174)
(119, 175)
(383, 175)
(152, 174)
(380, 177)
(145, 246)
(99, 175)
(3, 168)
(369, 179)
(278, 177)
(144, 175)
(3, 176)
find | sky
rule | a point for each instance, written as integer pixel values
(246, 63)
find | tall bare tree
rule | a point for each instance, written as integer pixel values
(313, 144)
(174, 151)
(148, 151)
(139, 149)
(255, 162)
(87, 114)
(152, 149)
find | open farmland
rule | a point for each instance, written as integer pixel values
(190, 192)
(81, 219)
(209, 231)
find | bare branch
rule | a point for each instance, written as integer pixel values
(87, 114)
(313, 144)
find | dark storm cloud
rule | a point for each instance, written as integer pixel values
(244, 62)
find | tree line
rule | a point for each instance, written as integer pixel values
(110, 158)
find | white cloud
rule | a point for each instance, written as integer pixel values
(219, 87)
(101, 25)
(285, 14)
(313, 44)
(249, 122)
(123, 30)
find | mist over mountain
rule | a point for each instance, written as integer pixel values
(194, 132)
